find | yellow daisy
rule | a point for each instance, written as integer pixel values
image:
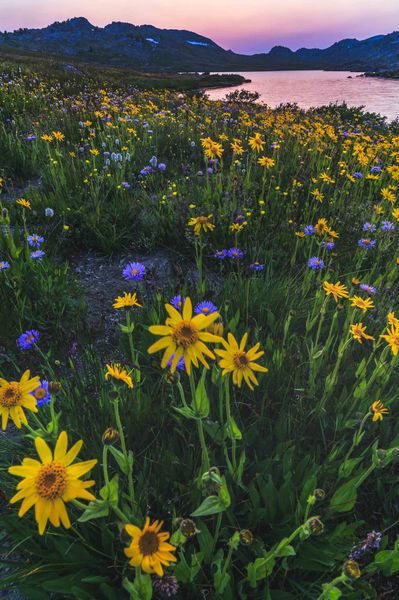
(358, 332)
(126, 301)
(201, 224)
(337, 290)
(392, 338)
(363, 304)
(119, 373)
(24, 203)
(240, 362)
(48, 484)
(149, 548)
(183, 336)
(15, 396)
(378, 410)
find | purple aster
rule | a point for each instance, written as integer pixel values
(368, 288)
(328, 245)
(41, 393)
(239, 219)
(35, 240)
(257, 266)
(161, 167)
(387, 226)
(37, 254)
(358, 175)
(366, 243)
(180, 365)
(235, 253)
(309, 230)
(220, 254)
(205, 308)
(369, 227)
(315, 263)
(146, 170)
(125, 184)
(28, 339)
(176, 302)
(375, 169)
(134, 270)
(4, 265)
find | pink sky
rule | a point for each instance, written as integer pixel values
(246, 26)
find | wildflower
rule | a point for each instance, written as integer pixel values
(392, 320)
(24, 203)
(355, 281)
(28, 339)
(58, 135)
(49, 213)
(35, 240)
(321, 226)
(351, 569)
(265, 161)
(372, 542)
(220, 254)
(205, 308)
(119, 374)
(241, 363)
(369, 289)
(315, 263)
(180, 365)
(366, 243)
(309, 230)
(4, 265)
(166, 586)
(246, 537)
(257, 266)
(161, 167)
(392, 338)
(395, 213)
(176, 302)
(358, 332)
(149, 548)
(201, 224)
(110, 436)
(235, 253)
(128, 300)
(15, 396)
(37, 255)
(337, 290)
(363, 304)
(387, 226)
(378, 410)
(328, 245)
(256, 142)
(42, 393)
(134, 270)
(369, 227)
(183, 336)
(48, 484)
(237, 147)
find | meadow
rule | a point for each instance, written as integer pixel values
(225, 427)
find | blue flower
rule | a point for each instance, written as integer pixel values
(161, 167)
(35, 240)
(220, 254)
(37, 254)
(368, 288)
(134, 270)
(369, 227)
(366, 243)
(180, 364)
(4, 265)
(28, 339)
(235, 253)
(315, 263)
(205, 308)
(41, 393)
(375, 169)
(176, 302)
(309, 230)
(387, 226)
(357, 175)
(257, 266)
(328, 245)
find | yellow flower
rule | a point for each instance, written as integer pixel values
(352, 569)
(119, 373)
(214, 150)
(149, 548)
(338, 290)
(201, 224)
(126, 301)
(392, 338)
(235, 359)
(355, 281)
(15, 396)
(58, 135)
(265, 161)
(395, 213)
(321, 226)
(24, 203)
(236, 147)
(256, 142)
(363, 304)
(183, 336)
(392, 320)
(48, 484)
(47, 138)
(379, 410)
(359, 333)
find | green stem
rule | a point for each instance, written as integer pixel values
(124, 452)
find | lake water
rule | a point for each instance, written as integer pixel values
(315, 88)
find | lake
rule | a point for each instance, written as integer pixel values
(315, 88)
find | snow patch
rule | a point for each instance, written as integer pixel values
(152, 40)
(197, 43)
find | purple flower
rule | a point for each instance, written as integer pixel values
(328, 245)
(371, 542)
(4, 265)
(387, 226)
(176, 302)
(309, 230)
(180, 365)
(257, 266)
(146, 170)
(375, 169)
(366, 243)
(205, 308)
(220, 254)
(134, 270)
(165, 586)
(35, 240)
(369, 289)
(37, 254)
(125, 184)
(161, 167)
(315, 263)
(41, 393)
(235, 253)
(357, 175)
(28, 339)
(369, 227)
(239, 219)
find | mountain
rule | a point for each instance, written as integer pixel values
(144, 47)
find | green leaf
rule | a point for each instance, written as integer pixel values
(110, 492)
(345, 497)
(125, 465)
(201, 406)
(186, 411)
(95, 510)
(232, 430)
(212, 505)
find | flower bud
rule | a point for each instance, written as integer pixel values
(316, 527)
(54, 387)
(110, 436)
(246, 537)
(188, 528)
(352, 569)
(319, 493)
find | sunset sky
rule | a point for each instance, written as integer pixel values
(244, 26)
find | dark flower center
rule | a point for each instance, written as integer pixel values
(10, 395)
(240, 360)
(185, 334)
(51, 480)
(148, 543)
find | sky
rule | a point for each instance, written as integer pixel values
(246, 26)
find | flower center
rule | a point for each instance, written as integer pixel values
(148, 543)
(40, 393)
(185, 334)
(10, 395)
(202, 220)
(240, 360)
(134, 272)
(51, 480)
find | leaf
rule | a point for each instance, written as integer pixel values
(346, 468)
(185, 411)
(95, 510)
(201, 407)
(232, 430)
(109, 493)
(212, 505)
(124, 465)
(345, 497)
